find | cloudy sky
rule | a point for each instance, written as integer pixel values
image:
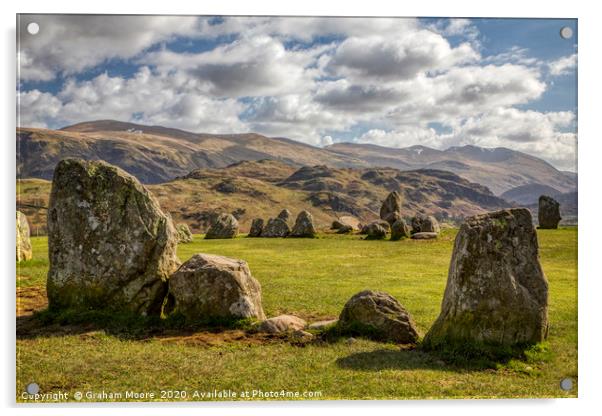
(391, 82)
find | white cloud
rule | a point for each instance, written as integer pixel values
(563, 66)
(69, 44)
(380, 58)
(394, 76)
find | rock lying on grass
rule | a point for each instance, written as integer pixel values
(400, 229)
(345, 229)
(425, 224)
(276, 227)
(549, 213)
(109, 244)
(424, 236)
(24, 251)
(224, 226)
(375, 231)
(184, 233)
(282, 324)
(209, 288)
(378, 315)
(256, 227)
(323, 324)
(496, 290)
(304, 226)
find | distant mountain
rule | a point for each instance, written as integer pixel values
(529, 194)
(500, 169)
(157, 154)
(262, 188)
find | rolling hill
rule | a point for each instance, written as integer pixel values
(158, 154)
(262, 188)
(499, 169)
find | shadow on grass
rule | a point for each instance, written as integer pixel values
(48, 323)
(418, 358)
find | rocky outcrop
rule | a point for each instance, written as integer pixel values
(304, 226)
(256, 227)
(496, 290)
(24, 251)
(224, 226)
(184, 233)
(378, 315)
(209, 288)
(549, 213)
(109, 244)
(276, 227)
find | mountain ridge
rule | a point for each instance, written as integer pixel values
(156, 154)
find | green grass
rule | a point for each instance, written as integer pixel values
(313, 278)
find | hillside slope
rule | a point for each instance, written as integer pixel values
(499, 169)
(263, 188)
(157, 154)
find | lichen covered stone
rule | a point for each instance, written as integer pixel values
(496, 293)
(209, 287)
(109, 244)
(378, 315)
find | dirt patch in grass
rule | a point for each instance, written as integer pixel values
(30, 299)
(213, 338)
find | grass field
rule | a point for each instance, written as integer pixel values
(312, 279)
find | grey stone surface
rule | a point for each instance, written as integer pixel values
(496, 290)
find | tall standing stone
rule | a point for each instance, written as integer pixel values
(496, 290)
(549, 212)
(24, 251)
(304, 226)
(390, 210)
(285, 215)
(256, 227)
(110, 246)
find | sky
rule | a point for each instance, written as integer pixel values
(394, 82)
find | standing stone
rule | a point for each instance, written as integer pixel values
(23, 242)
(109, 244)
(304, 226)
(285, 215)
(496, 291)
(425, 224)
(224, 226)
(390, 210)
(400, 229)
(375, 231)
(276, 227)
(549, 213)
(184, 233)
(378, 315)
(256, 227)
(209, 287)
